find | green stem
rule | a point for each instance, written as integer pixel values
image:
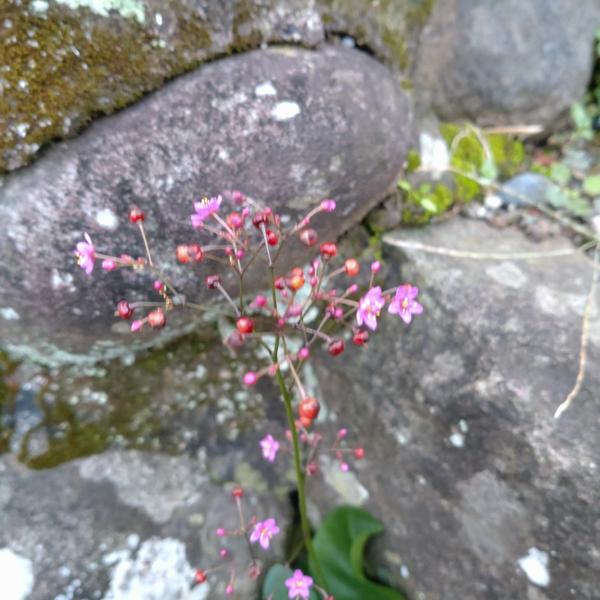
(287, 400)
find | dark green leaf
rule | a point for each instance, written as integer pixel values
(339, 544)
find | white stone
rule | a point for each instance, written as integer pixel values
(457, 439)
(535, 566)
(265, 89)
(107, 219)
(435, 157)
(285, 110)
(16, 575)
(9, 314)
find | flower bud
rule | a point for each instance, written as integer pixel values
(250, 378)
(245, 325)
(136, 215)
(328, 249)
(360, 338)
(124, 309)
(352, 267)
(309, 237)
(272, 238)
(336, 347)
(199, 576)
(309, 408)
(156, 318)
(109, 265)
(237, 492)
(158, 285)
(212, 282)
(260, 301)
(359, 453)
(375, 266)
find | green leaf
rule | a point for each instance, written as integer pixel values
(274, 588)
(403, 184)
(429, 204)
(591, 185)
(413, 161)
(339, 544)
(489, 170)
(560, 173)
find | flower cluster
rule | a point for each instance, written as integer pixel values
(323, 302)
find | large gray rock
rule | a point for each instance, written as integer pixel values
(507, 61)
(483, 493)
(121, 526)
(287, 126)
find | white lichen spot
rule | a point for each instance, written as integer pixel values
(107, 219)
(535, 566)
(285, 110)
(404, 572)
(23, 84)
(223, 154)
(265, 89)
(9, 314)
(21, 129)
(463, 426)
(435, 157)
(16, 575)
(507, 274)
(457, 439)
(39, 7)
(126, 8)
(159, 19)
(62, 281)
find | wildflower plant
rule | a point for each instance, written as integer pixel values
(235, 232)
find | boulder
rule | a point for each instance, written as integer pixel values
(484, 494)
(287, 126)
(506, 62)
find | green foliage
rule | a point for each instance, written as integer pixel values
(591, 185)
(339, 544)
(424, 202)
(505, 158)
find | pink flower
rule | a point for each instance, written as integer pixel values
(263, 532)
(270, 447)
(369, 307)
(404, 303)
(204, 209)
(299, 585)
(86, 254)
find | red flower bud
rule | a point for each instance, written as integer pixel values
(328, 249)
(309, 237)
(336, 347)
(361, 338)
(352, 267)
(309, 408)
(295, 280)
(237, 492)
(136, 215)
(245, 325)
(156, 318)
(124, 309)
(272, 238)
(359, 453)
(212, 281)
(261, 218)
(199, 576)
(235, 220)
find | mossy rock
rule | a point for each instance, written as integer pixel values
(64, 62)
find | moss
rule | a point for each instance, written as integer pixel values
(7, 400)
(389, 28)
